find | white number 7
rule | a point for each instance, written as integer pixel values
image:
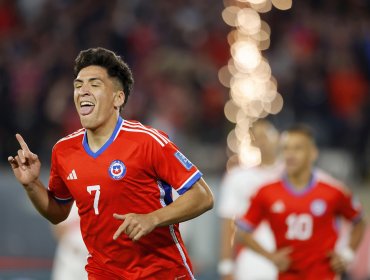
(97, 196)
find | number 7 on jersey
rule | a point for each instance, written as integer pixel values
(91, 189)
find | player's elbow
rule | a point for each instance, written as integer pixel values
(56, 220)
(208, 202)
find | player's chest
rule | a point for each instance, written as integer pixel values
(115, 173)
(317, 207)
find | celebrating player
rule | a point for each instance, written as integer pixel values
(302, 209)
(120, 173)
(236, 190)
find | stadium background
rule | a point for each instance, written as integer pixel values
(319, 54)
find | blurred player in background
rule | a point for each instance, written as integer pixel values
(302, 209)
(120, 173)
(236, 190)
(71, 253)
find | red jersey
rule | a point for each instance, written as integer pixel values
(133, 172)
(306, 221)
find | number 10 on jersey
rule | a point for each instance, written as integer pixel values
(300, 227)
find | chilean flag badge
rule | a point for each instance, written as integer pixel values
(117, 170)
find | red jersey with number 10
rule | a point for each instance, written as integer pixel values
(306, 221)
(133, 172)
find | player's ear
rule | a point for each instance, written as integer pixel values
(119, 98)
(315, 153)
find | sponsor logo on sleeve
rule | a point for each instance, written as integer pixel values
(183, 160)
(117, 170)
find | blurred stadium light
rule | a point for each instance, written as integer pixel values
(253, 89)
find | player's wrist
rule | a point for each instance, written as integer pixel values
(347, 254)
(32, 185)
(155, 219)
(225, 267)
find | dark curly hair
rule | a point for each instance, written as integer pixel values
(107, 59)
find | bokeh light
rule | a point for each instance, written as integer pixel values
(253, 89)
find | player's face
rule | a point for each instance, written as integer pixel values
(97, 97)
(266, 138)
(299, 153)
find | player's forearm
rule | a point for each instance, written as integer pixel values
(225, 266)
(357, 233)
(197, 200)
(227, 239)
(44, 204)
(247, 239)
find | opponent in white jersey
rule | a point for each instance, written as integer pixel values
(71, 253)
(236, 190)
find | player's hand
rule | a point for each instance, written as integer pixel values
(337, 263)
(281, 258)
(227, 277)
(135, 225)
(25, 165)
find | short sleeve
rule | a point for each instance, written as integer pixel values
(254, 215)
(57, 187)
(172, 167)
(349, 207)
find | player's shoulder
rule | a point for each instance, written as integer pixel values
(328, 181)
(270, 187)
(70, 139)
(144, 133)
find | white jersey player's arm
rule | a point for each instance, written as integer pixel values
(26, 168)
(226, 263)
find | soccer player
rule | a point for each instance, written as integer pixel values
(236, 190)
(302, 209)
(120, 174)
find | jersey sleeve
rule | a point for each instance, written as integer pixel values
(349, 207)
(57, 187)
(254, 215)
(172, 167)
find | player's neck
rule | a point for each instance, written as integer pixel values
(99, 136)
(300, 180)
(268, 160)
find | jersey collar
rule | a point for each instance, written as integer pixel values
(106, 145)
(291, 189)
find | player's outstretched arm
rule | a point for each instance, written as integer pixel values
(26, 168)
(280, 257)
(197, 200)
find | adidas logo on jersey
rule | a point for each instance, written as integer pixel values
(72, 175)
(278, 207)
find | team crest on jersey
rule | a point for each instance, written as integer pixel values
(183, 160)
(117, 170)
(318, 207)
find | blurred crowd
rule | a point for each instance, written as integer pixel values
(320, 56)
(319, 53)
(174, 49)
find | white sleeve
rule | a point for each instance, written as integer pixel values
(232, 200)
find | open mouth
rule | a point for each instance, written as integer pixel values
(86, 107)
